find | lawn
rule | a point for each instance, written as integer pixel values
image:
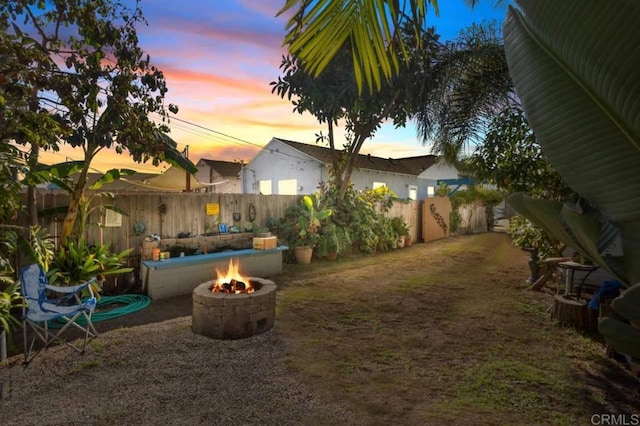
(438, 333)
(445, 332)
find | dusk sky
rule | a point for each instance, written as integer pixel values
(218, 58)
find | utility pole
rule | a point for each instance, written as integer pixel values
(188, 175)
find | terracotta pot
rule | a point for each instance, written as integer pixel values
(408, 241)
(332, 256)
(303, 254)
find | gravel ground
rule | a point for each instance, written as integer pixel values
(163, 373)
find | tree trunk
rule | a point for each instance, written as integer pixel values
(74, 206)
(32, 205)
(348, 168)
(573, 312)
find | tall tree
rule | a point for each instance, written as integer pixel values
(471, 87)
(511, 158)
(85, 68)
(334, 95)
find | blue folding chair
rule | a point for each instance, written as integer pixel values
(64, 309)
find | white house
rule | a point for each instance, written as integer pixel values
(293, 168)
(222, 177)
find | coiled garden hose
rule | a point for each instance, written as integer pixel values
(129, 303)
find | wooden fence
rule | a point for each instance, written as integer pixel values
(167, 214)
(171, 214)
(473, 219)
(411, 213)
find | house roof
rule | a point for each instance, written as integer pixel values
(172, 179)
(224, 168)
(408, 166)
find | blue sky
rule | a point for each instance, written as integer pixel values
(219, 57)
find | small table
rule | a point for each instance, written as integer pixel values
(571, 267)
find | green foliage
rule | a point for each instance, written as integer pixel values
(442, 190)
(527, 236)
(334, 95)
(476, 193)
(511, 158)
(90, 102)
(400, 226)
(10, 194)
(10, 299)
(333, 239)
(317, 31)
(302, 222)
(584, 113)
(362, 213)
(78, 262)
(469, 84)
(35, 245)
(472, 195)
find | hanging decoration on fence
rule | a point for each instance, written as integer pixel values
(213, 209)
(139, 228)
(439, 219)
(112, 219)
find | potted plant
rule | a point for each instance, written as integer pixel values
(302, 226)
(334, 240)
(401, 229)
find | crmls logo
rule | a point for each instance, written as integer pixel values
(615, 419)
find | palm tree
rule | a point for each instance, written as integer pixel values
(470, 88)
(318, 29)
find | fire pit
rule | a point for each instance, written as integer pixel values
(233, 307)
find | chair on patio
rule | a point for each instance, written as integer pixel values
(50, 317)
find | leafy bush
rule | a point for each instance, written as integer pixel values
(472, 195)
(527, 236)
(363, 214)
(78, 262)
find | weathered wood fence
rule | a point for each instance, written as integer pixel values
(171, 214)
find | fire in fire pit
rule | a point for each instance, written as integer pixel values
(233, 306)
(231, 282)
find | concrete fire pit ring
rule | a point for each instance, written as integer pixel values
(234, 316)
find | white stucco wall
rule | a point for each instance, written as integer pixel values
(398, 183)
(229, 185)
(278, 161)
(430, 176)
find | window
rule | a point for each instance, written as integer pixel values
(265, 187)
(413, 192)
(377, 185)
(288, 187)
(431, 191)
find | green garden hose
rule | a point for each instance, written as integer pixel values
(129, 303)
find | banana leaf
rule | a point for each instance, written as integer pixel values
(574, 64)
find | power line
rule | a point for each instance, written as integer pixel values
(216, 132)
(233, 137)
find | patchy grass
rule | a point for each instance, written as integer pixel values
(443, 333)
(87, 365)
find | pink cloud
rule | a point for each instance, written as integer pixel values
(217, 35)
(188, 76)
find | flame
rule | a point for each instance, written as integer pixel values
(231, 277)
